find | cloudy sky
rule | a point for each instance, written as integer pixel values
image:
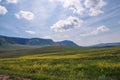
(85, 22)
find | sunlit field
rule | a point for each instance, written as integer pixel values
(62, 63)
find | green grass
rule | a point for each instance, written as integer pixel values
(62, 63)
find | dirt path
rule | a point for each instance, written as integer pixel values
(6, 77)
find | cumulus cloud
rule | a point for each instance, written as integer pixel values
(3, 10)
(30, 32)
(95, 12)
(98, 30)
(74, 5)
(25, 15)
(67, 24)
(12, 1)
(94, 6)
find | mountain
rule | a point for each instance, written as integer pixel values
(107, 44)
(5, 40)
(67, 42)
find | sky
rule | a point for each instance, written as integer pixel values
(86, 22)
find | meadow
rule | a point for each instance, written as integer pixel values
(62, 63)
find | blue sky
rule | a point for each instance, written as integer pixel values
(85, 22)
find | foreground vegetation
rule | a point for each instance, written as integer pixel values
(62, 63)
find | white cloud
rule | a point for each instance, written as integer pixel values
(0, 0)
(98, 30)
(94, 6)
(25, 15)
(12, 1)
(95, 12)
(74, 5)
(30, 32)
(67, 24)
(3, 10)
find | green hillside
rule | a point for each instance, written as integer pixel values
(62, 63)
(7, 42)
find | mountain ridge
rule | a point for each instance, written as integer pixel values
(107, 44)
(34, 41)
(41, 42)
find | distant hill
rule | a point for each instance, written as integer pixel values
(107, 44)
(5, 41)
(66, 42)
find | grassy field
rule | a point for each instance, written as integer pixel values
(62, 63)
